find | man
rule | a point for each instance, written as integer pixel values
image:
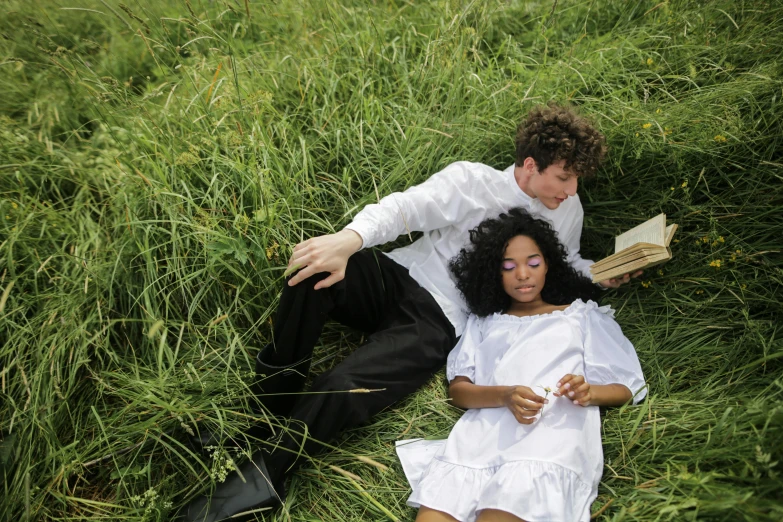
(405, 300)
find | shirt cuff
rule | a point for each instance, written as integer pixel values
(364, 234)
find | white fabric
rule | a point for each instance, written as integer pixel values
(415, 455)
(548, 470)
(445, 207)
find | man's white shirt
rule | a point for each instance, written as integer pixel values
(446, 207)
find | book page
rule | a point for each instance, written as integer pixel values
(622, 258)
(633, 266)
(651, 231)
(670, 230)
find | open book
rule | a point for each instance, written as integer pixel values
(641, 247)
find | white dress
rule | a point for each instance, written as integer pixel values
(545, 471)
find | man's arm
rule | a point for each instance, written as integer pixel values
(571, 239)
(447, 197)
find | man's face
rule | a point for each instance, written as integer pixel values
(553, 184)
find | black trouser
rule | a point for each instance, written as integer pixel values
(409, 338)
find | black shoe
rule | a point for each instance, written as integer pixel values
(284, 380)
(236, 498)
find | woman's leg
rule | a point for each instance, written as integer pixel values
(495, 515)
(430, 515)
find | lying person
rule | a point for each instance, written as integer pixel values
(515, 454)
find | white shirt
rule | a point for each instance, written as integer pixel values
(446, 207)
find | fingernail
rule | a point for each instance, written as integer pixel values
(568, 385)
(570, 394)
(558, 384)
(546, 401)
(576, 402)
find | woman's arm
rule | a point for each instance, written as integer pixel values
(609, 395)
(523, 402)
(575, 388)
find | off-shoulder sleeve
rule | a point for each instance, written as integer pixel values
(462, 359)
(610, 358)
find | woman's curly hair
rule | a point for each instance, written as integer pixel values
(477, 270)
(553, 133)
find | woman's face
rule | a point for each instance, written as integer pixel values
(523, 270)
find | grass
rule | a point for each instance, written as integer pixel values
(159, 160)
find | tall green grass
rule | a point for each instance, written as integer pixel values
(159, 160)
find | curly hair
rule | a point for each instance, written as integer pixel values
(477, 269)
(553, 133)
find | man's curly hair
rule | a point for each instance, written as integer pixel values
(477, 270)
(553, 133)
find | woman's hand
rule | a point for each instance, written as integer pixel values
(524, 403)
(575, 388)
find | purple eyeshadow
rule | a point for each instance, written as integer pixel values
(509, 265)
(534, 262)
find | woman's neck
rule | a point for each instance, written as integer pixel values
(536, 307)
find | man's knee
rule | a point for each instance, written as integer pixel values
(307, 285)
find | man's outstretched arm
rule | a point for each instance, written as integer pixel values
(443, 199)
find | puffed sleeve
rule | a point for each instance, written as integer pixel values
(610, 358)
(462, 359)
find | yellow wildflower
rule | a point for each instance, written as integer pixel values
(699, 291)
(743, 286)
(738, 251)
(720, 138)
(650, 61)
(684, 184)
(14, 205)
(716, 263)
(720, 239)
(646, 284)
(271, 250)
(657, 111)
(672, 188)
(647, 125)
(660, 272)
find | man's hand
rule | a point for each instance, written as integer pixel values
(327, 253)
(615, 282)
(524, 403)
(575, 388)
